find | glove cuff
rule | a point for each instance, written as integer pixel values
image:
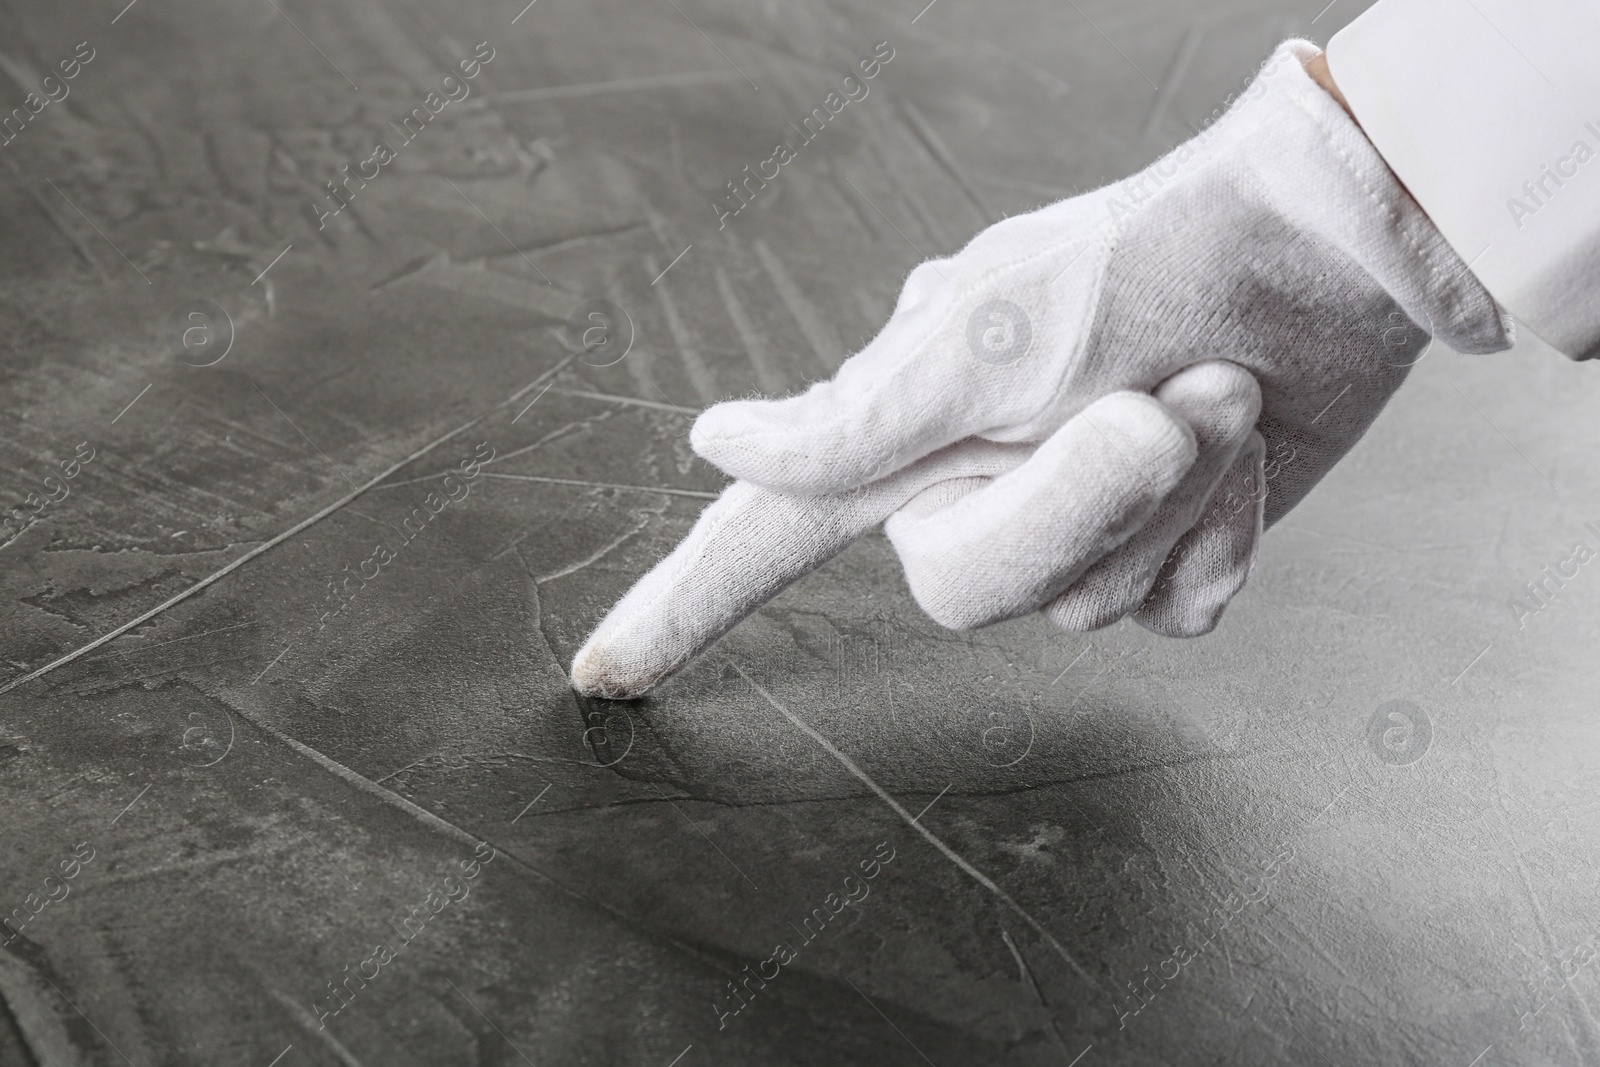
(1320, 170)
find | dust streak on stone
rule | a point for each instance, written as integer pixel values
(236, 564)
(949, 853)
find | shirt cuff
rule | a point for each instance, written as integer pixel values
(1489, 112)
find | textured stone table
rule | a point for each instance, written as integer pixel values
(248, 756)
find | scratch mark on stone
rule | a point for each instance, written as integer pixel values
(539, 624)
(755, 346)
(411, 269)
(193, 637)
(540, 380)
(596, 556)
(236, 564)
(620, 85)
(597, 485)
(441, 826)
(1187, 49)
(713, 844)
(894, 805)
(823, 343)
(86, 1019)
(612, 398)
(532, 802)
(936, 148)
(1026, 975)
(512, 399)
(402, 770)
(699, 373)
(532, 402)
(188, 870)
(558, 243)
(320, 1033)
(1585, 1025)
(55, 220)
(851, 204)
(555, 435)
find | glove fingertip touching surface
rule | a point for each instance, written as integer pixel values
(745, 548)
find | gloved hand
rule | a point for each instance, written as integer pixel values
(1086, 392)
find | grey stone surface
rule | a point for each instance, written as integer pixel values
(265, 794)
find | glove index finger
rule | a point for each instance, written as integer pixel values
(747, 547)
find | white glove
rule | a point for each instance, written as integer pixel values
(1085, 392)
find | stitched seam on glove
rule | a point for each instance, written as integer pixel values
(1372, 194)
(1457, 289)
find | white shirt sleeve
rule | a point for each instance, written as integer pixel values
(1489, 112)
